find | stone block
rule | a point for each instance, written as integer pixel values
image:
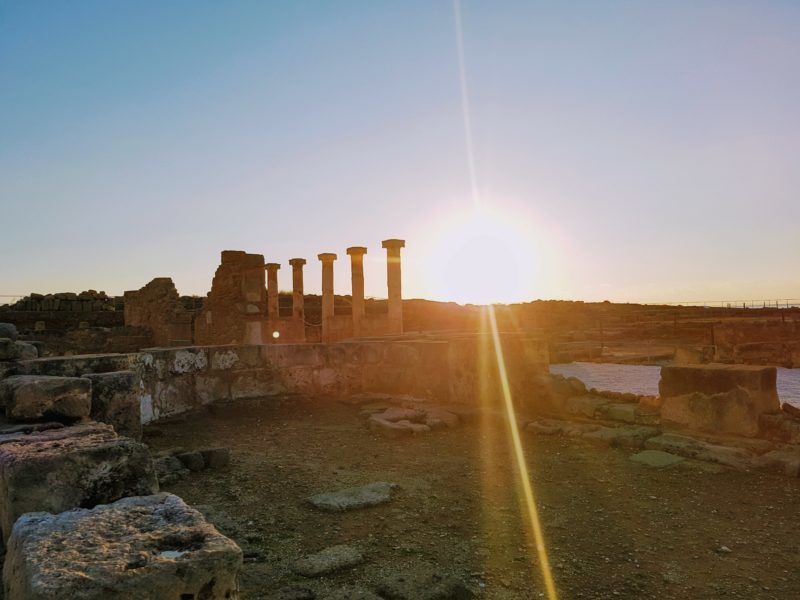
(712, 379)
(734, 412)
(61, 469)
(26, 350)
(689, 447)
(32, 397)
(115, 400)
(8, 349)
(147, 548)
(584, 406)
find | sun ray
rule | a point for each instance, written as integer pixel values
(532, 511)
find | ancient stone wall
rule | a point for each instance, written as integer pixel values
(236, 306)
(157, 308)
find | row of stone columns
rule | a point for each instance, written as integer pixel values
(356, 253)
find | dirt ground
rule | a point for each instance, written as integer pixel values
(613, 528)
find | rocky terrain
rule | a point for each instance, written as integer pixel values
(451, 525)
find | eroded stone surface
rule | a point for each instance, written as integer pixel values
(656, 458)
(694, 448)
(328, 561)
(145, 548)
(32, 397)
(78, 466)
(353, 498)
(115, 400)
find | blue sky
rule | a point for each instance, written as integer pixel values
(649, 150)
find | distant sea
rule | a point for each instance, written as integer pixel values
(643, 379)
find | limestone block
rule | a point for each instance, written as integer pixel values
(734, 412)
(693, 448)
(711, 379)
(785, 461)
(115, 400)
(144, 548)
(61, 469)
(31, 397)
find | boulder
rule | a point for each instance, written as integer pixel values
(193, 461)
(33, 397)
(60, 469)
(216, 457)
(115, 400)
(328, 561)
(169, 469)
(785, 461)
(143, 548)
(26, 350)
(732, 412)
(353, 498)
(621, 437)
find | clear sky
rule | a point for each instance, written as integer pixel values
(645, 151)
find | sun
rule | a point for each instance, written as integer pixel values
(484, 256)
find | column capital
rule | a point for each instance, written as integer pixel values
(327, 257)
(297, 262)
(272, 266)
(393, 244)
(356, 251)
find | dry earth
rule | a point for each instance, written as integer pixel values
(614, 528)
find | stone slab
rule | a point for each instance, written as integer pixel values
(656, 458)
(144, 548)
(33, 397)
(77, 466)
(354, 498)
(693, 448)
(761, 382)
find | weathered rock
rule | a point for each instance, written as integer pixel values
(624, 413)
(144, 548)
(436, 418)
(169, 470)
(216, 457)
(694, 448)
(328, 561)
(423, 586)
(8, 349)
(734, 412)
(791, 410)
(115, 400)
(785, 461)
(32, 397)
(622, 437)
(656, 458)
(353, 498)
(712, 379)
(26, 350)
(61, 469)
(192, 460)
(396, 413)
(585, 406)
(544, 427)
(396, 429)
(8, 330)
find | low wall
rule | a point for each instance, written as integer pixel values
(176, 380)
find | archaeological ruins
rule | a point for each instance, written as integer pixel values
(84, 377)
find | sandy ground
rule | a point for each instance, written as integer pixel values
(613, 528)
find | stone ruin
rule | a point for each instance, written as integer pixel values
(243, 304)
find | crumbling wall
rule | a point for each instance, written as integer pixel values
(158, 309)
(236, 307)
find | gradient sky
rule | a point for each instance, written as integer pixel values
(650, 151)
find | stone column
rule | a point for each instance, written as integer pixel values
(327, 259)
(357, 278)
(298, 304)
(393, 281)
(272, 291)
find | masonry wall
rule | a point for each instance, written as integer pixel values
(176, 380)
